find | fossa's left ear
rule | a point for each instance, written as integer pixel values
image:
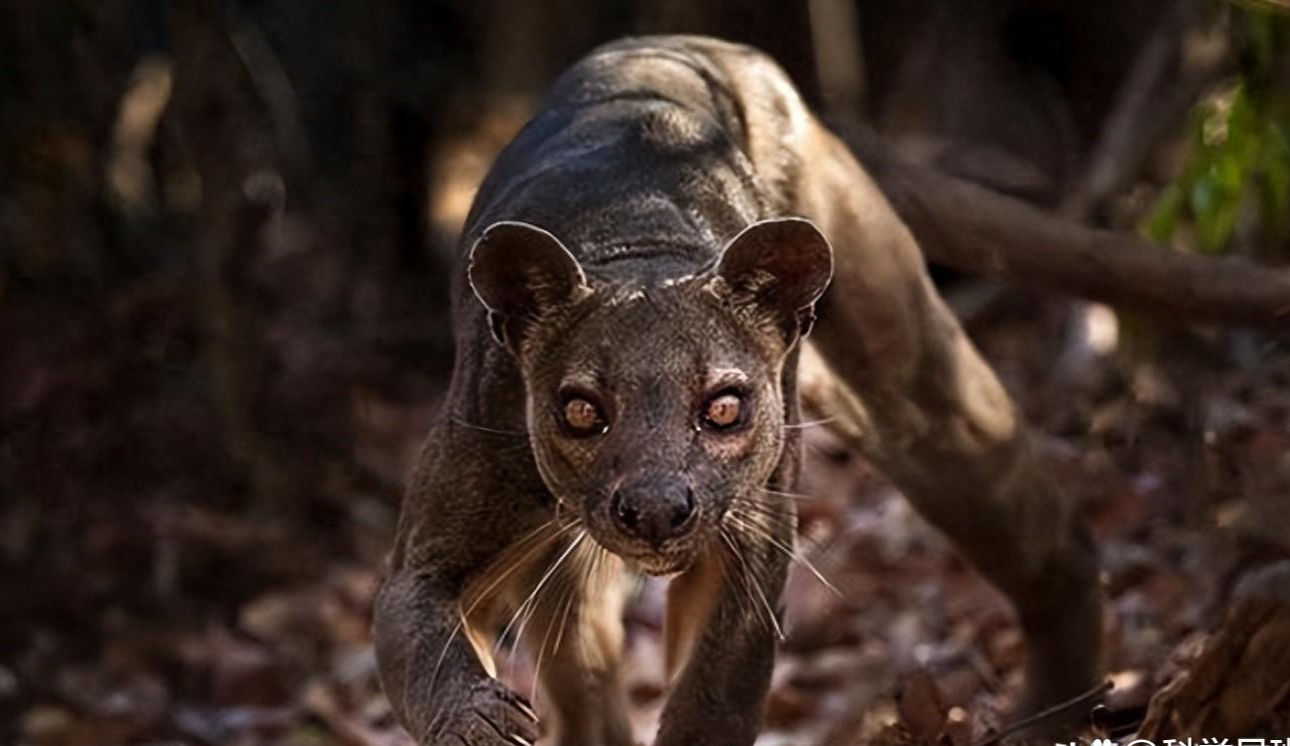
(780, 266)
(522, 273)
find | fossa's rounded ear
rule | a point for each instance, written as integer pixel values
(781, 266)
(520, 273)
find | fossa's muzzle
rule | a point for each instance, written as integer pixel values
(654, 508)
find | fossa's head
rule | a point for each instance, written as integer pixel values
(652, 408)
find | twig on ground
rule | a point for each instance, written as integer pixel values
(1058, 712)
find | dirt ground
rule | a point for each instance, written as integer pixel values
(149, 604)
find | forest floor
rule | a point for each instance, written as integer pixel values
(143, 605)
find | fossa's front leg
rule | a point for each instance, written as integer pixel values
(722, 627)
(448, 566)
(576, 639)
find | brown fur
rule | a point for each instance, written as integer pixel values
(639, 240)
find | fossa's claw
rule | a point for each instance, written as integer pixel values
(523, 707)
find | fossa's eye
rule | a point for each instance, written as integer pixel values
(583, 417)
(725, 411)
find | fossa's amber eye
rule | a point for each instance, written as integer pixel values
(583, 417)
(723, 411)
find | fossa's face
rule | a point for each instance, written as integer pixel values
(653, 410)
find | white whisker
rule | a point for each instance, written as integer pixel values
(464, 614)
(793, 495)
(540, 585)
(489, 430)
(790, 552)
(809, 423)
(756, 587)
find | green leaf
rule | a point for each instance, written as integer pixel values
(1203, 195)
(1215, 229)
(1162, 220)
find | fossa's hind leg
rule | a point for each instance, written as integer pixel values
(919, 400)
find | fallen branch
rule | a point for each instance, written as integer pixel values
(982, 232)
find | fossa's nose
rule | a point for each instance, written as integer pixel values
(654, 508)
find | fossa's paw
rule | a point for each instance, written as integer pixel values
(490, 715)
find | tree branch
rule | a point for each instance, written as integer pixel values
(1161, 86)
(982, 232)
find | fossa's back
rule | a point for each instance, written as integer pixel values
(641, 154)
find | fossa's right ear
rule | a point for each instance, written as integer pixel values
(778, 268)
(520, 273)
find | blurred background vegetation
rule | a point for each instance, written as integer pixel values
(225, 233)
(1235, 187)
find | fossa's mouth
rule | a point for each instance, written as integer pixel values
(665, 561)
(661, 566)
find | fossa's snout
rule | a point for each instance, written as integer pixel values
(654, 508)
